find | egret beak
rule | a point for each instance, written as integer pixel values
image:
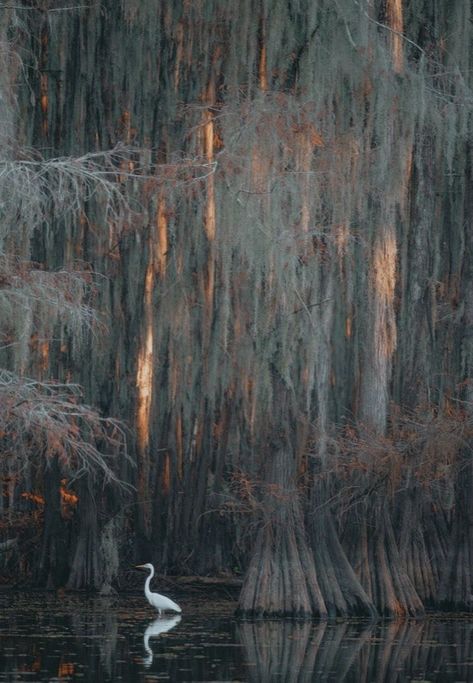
(139, 566)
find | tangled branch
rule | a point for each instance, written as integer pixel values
(49, 418)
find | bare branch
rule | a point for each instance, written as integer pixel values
(49, 418)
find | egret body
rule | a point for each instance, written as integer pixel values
(156, 600)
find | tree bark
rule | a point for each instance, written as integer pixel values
(53, 566)
(374, 554)
(86, 566)
(343, 593)
(281, 580)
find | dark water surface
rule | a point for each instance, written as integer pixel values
(45, 638)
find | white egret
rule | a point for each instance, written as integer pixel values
(156, 600)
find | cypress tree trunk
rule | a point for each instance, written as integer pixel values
(343, 592)
(375, 552)
(281, 580)
(456, 586)
(52, 565)
(86, 566)
(420, 544)
(375, 555)
(455, 591)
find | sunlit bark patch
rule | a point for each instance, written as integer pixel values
(210, 215)
(144, 386)
(208, 149)
(210, 220)
(396, 23)
(384, 276)
(43, 355)
(162, 237)
(262, 73)
(144, 381)
(144, 375)
(348, 326)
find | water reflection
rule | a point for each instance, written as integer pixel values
(292, 651)
(430, 650)
(155, 628)
(43, 638)
(97, 628)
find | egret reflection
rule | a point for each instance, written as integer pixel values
(154, 629)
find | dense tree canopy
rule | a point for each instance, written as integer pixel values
(237, 236)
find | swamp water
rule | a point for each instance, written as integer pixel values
(44, 638)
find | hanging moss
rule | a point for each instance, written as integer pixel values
(290, 195)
